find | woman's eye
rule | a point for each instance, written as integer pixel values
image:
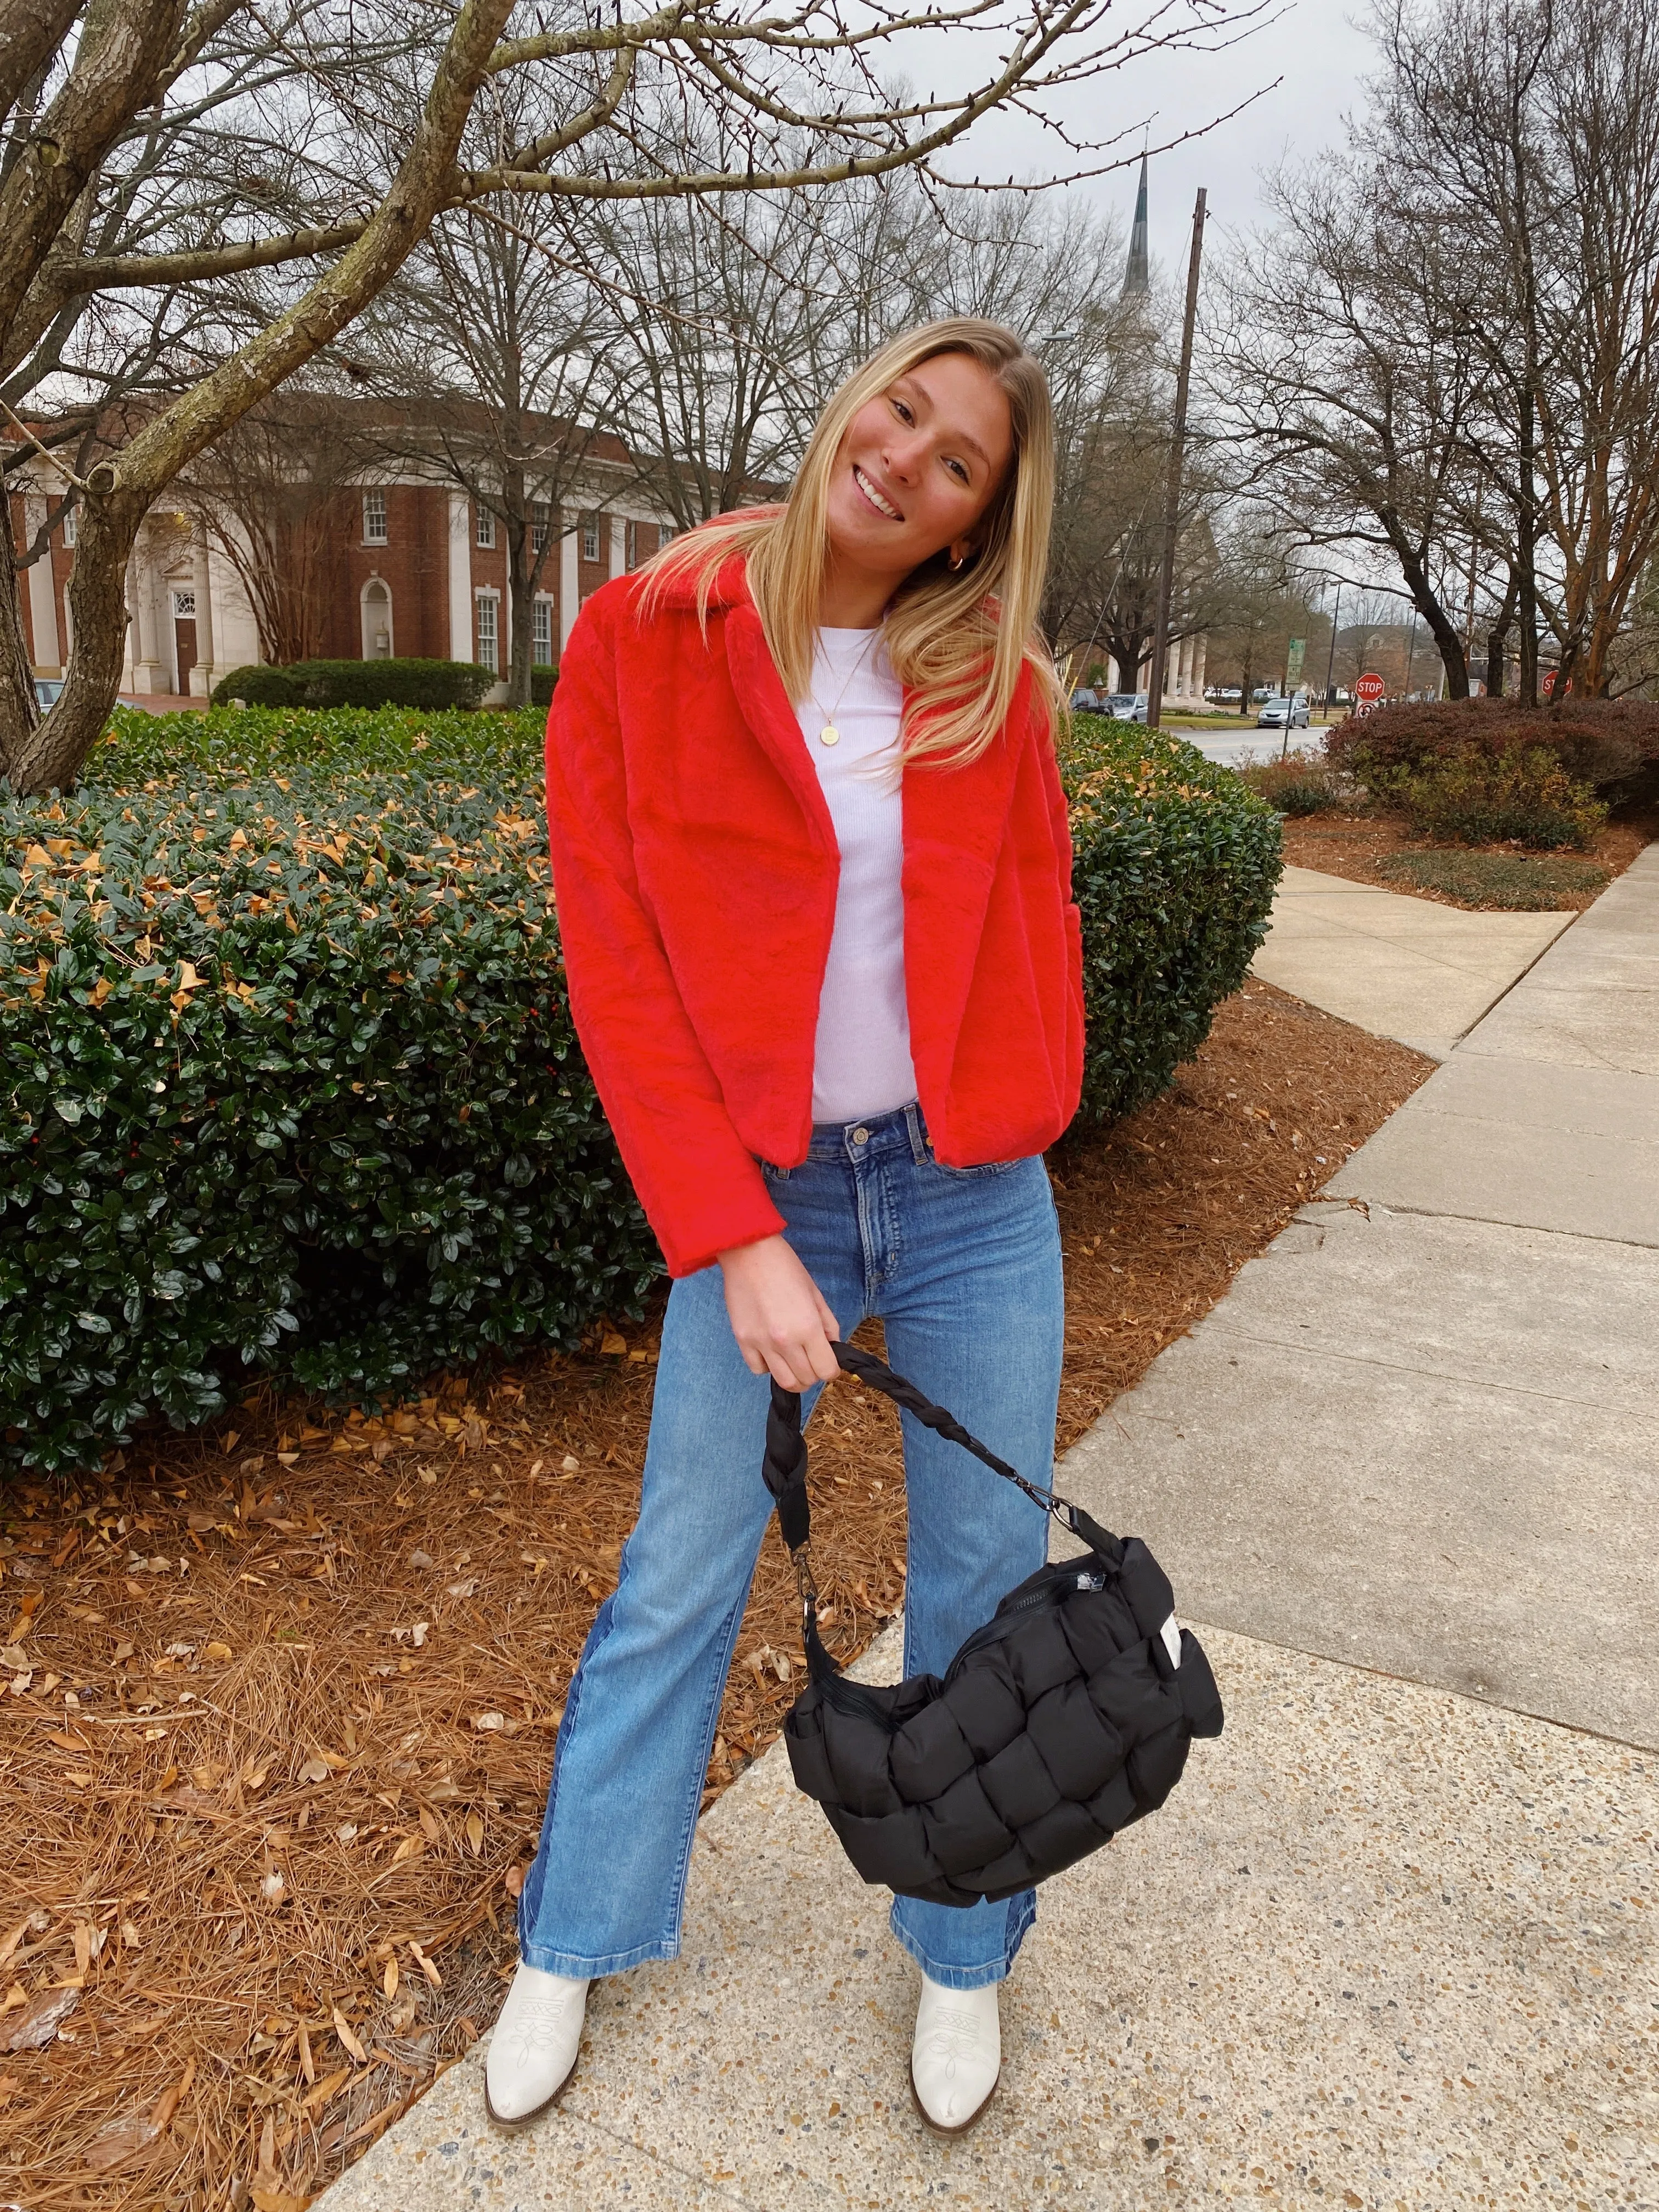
(957, 471)
(902, 412)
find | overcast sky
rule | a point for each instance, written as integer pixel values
(1312, 47)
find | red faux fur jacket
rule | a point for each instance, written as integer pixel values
(695, 866)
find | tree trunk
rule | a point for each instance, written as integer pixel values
(1497, 638)
(1244, 686)
(47, 757)
(1527, 550)
(19, 713)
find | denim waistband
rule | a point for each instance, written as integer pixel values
(903, 1130)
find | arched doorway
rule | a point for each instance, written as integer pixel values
(377, 620)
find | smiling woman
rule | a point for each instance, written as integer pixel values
(813, 869)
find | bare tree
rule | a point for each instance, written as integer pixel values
(274, 493)
(1339, 357)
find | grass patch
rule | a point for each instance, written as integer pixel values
(1522, 883)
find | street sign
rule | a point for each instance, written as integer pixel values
(1369, 690)
(1298, 645)
(1550, 675)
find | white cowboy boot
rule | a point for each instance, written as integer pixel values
(957, 2055)
(532, 2052)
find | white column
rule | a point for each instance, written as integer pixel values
(460, 577)
(618, 545)
(204, 675)
(149, 669)
(1200, 654)
(569, 587)
(43, 598)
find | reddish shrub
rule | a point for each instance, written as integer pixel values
(1601, 742)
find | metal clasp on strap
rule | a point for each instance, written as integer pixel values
(805, 1580)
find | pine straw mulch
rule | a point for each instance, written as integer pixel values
(282, 1695)
(1355, 845)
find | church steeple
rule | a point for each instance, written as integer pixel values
(1137, 279)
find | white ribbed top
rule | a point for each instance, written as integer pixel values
(861, 1064)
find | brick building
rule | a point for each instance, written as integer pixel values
(414, 568)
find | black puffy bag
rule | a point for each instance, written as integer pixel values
(1064, 1718)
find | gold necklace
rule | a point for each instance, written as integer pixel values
(830, 735)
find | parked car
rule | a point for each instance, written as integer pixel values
(1087, 701)
(47, 691)
(1280, 713)
(1124, 706)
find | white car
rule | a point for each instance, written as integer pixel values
(1281, 714)
(1124, 706)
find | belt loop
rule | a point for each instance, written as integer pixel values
(918, 1133)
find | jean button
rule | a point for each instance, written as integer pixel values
(861, 1135)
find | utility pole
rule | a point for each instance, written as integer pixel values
(1330, 665)
(1177, 455)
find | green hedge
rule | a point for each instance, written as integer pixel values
(291, 1087)
(422, 684)
(1174, 863)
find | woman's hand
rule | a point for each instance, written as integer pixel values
(783, 1325)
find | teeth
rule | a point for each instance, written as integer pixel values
(882, 506)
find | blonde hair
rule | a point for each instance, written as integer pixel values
(958, 640)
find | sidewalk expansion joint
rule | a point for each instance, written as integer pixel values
(1408, 1367)
(1502, 1221)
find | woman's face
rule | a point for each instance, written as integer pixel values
(918, 467)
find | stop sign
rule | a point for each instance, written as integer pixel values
(1550, 675)
(1369, 690)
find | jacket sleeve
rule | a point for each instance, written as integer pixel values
(701, 1191)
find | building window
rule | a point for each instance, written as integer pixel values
(633, 554)
(590, 537)
(488, 655)
(71, 526)
(374, 517)
(541, 632)
(184, 605)
(486, 529)
(541, 521)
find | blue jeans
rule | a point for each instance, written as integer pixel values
(964, 1267)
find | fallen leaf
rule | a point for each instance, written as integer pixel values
(268, 2198)
(475, 1833)
(14, 1656)
(513, 1881)
(389, 1979)
(347, 1831)
(408, 1849)
(330, 2086)
(487, 1723)
(426, 1965)
(348, 2040)
(41, 2022)
(464, 1588)
(420, 1560)
(218, 1652)
(430, 1828)
(570, 1464)
(122, 1652)
(314, 1769)
(130, 1938)
(128, 2133)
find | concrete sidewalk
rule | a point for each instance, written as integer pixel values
(1390, 1944)
(1402, 967)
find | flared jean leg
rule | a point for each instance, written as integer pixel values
(606, 1889)
(985, 1341)
(607, 1886)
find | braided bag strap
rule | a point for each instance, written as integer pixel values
(784, 1463)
